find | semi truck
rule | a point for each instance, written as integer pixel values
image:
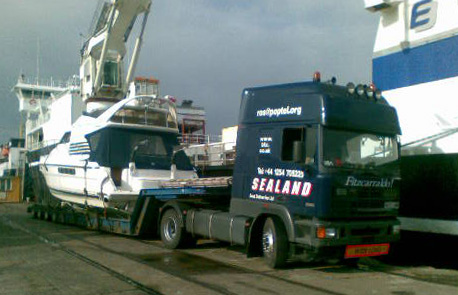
(316, 175)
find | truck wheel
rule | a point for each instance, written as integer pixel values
(172, 234)
(274, 243)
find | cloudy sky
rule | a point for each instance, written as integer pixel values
(204, 50)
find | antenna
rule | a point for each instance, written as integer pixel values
(38, 60)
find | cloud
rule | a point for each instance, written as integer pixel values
(205, 50)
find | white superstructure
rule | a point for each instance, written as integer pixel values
(48, 108)
(415, 64)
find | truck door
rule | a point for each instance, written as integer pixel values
(284, 166)
(296, 168)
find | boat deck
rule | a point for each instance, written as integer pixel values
(199, 182)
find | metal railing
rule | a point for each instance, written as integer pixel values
(226, 159)
(31, 124)
(190, 139)
(215, 154)
(71, 82)
(42, 144)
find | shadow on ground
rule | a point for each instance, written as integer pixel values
(415, 249)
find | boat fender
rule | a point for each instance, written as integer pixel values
(173, 169)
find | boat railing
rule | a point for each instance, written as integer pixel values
(190, 139)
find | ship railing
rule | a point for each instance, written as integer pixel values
(71, 82)
(190, 139)
(32, 124)
(47, 144)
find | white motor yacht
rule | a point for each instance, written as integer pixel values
(105, 161)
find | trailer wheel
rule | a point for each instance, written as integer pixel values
(351, 262)
(172, 234)
(54, 217)
(35, 213)
(274, 243)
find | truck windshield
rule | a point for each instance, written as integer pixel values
(348, 149)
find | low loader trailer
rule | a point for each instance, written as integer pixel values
(316, 175)
(141, 221)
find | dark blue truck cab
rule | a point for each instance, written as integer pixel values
(316, 174)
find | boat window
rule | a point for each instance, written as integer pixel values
(69, 171)
(148, 111)
(65, 137)
(140, 117)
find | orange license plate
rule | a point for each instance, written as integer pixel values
(353, 251)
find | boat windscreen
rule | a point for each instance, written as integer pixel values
(117, 147)
(152, 112)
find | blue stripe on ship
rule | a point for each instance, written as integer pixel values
(430, 62)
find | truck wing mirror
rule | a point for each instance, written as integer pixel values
(298, 152)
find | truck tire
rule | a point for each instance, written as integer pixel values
(274, 243)
(172, 233)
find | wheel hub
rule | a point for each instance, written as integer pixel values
(268, 242)
(170, 230)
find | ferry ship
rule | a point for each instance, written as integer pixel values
(415, 64)
(12, 159)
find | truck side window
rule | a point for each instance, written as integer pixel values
(290, 135)
(310, 145)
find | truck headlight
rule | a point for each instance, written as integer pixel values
(326, 233)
